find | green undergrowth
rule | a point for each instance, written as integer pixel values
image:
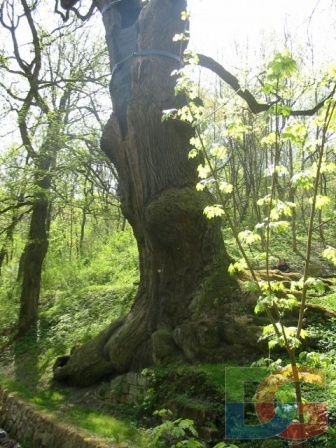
(326, 300)
(65, 321)
(190, 391)
(111, 260)
(198, 392)
(282, 248)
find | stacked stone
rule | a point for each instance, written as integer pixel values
(6, 441)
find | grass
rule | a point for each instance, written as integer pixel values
(75, 307)
(77, 302)
(26, 365)
(29, 363)
(327, 300)
(106, 426)
(66, 320)
(60, 404)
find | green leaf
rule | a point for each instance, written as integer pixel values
(316, 284)
(330, 254)
(273, 343)
(265, 200)
(296, 133)
(168, 114)
(177, 432)
(218, 151)
(180, 37)
(282, 66)
(280, 226)
(304, 179)
(203, 171)
(320, 201)
(200, 186)
(268, 330)
(225, 187)
(191, 57)
(213, 211)
(248, 237)
(238, 266)
(259, 308)
(303, 333)
(184, 15)
(270, 139)
(328, 167)
(251, 286)
(193, 153)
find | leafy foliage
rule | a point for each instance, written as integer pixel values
(276, 214)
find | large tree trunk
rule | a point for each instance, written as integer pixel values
(183, 262)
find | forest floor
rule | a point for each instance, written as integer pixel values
(26, 367)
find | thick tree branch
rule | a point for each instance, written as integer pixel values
(246, 95)
(10, 93)
(15, 221)
(16, 206)
(48, 84)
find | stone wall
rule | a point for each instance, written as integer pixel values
(126, 389)
(131, 388)
(34, 428)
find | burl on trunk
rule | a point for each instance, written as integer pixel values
(185, 291)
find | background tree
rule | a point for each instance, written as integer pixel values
(49, 81)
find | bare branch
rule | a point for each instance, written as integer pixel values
(15, 207)
(68, 5)
(246, 95)
(87, 15)
(15, 221)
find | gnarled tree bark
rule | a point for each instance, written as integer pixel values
(183, 262)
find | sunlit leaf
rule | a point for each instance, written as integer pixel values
(200, 186)
(192, 153)
(304, 179)
(270, 139)
(330, 254)
(213, 211)
(248, 237)
(226, 187)
(203, 171)
(320, 201)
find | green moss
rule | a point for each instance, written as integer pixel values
(326, 300)
(217, 290)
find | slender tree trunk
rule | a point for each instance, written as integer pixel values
(8, 242)
(292, 199)
(82, 231)
(3, 256)
(34, 253)
(323, 192)
(183, 262)
(83, 219)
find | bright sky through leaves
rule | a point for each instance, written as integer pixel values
(231, 28)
